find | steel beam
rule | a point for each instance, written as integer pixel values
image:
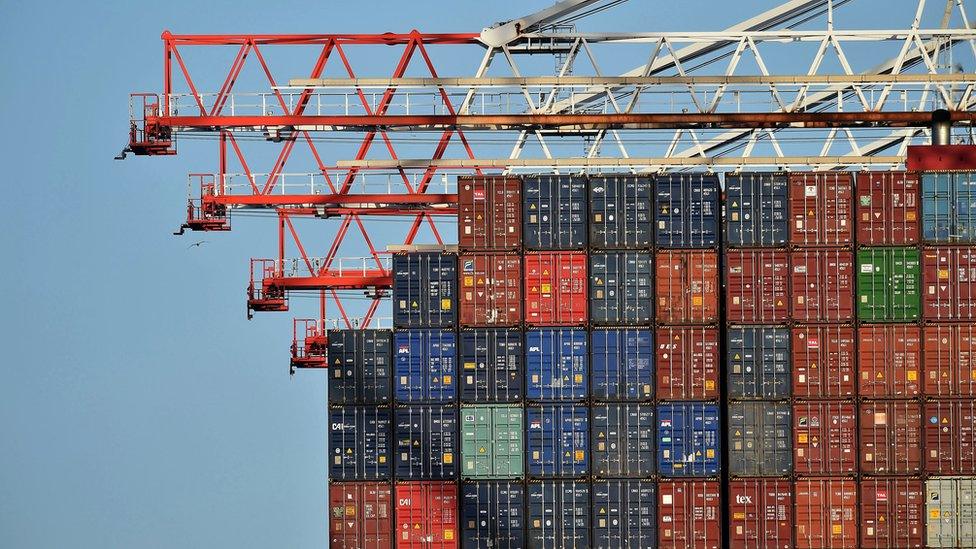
(637, 163)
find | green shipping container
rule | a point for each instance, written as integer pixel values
(492, 441)
(888, 284)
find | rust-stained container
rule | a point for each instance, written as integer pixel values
(555, 289)
(426, 515)
(821, 213)
(687, 363)
(686, 286)
(889, 360)
(360, 515)
(826, 513)
(824, 438)
(757, 286)
(760, 514)
(489, 213)
(950, 437)
(822, 285)
(491, 290)
(887, 208)
(950, 360)
(823, 361)
(949, 283)
(891, 437)
(892, 513)
(689, 514)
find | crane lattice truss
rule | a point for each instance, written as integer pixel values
(543, 97)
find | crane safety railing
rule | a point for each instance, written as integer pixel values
(318, 183)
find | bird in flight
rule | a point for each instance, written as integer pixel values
(200, 243)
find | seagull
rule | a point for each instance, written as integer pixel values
(200, 243)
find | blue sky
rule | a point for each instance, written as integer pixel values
(138, 406)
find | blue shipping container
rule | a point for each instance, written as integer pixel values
(491, 365)
(492, 515)
(624, 514)
(426, 366)
(622, 364)
(425, 290)
(621, 288)
(559, 514)
(556, 364)
(620, 212)
(688, 439)
(557, 440)
(757, 209)
(554, 212)
(759, 362)
(949, 207)
(622, 440)
(687, 210)
(426, 442)
(361, 366)
(359, 443)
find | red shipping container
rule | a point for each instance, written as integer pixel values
(689, 514)
(950, 360)
(687, 363)
(892, 513)
(826, 513)
(820, 209)
(824, 438)
(949, 280)
(491, 290)
(555, 288)
(950, 437)
(822, 285)
(687, 287)
(887, 208)
(760, 514)
(823, 361)
(489, 213)
(891, 437)
(360, 515)
(757, 286)
(426, 515)
(889, 360)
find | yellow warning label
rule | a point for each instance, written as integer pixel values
(448, 534)
(912, 375)
(697, 300)
(546, 288)
(446, 304)
(448, 458)
(469, 366)
(836, 529)
(802, 438)
(709, 384)
(579, 455)
(447, 380)
(469, 281)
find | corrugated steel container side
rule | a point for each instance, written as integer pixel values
(622, 364)
(891, 437)
(757, 285)
(621, 289)
(950, 360)
(892, 513)
(424, 290)
(556, 364)
(760, 514)
(687, 286)
(823, 361)
(622, 440)
(824, 438)
(950, 508)
(492, 365)
(949, 207)
(826, 513)
(889, 360)
(689, 514)
(559, 514)
(426, 515)
(361, 366)
(624, 514)
(555, 289)
(756, 209)
(687, 210)
(492, 441)
(426, 442)
(888, 285)
(489, 213)
(687, 363)
(760, 439)
(554, 212)
(688, 439)
(426, 366)
(758, 362)
(491, 290)
(360, 443)
(361, 515)
(949, 280)
(557, 440)
(492, 514)
(950, 436)
(821, 211)
(620, 212)
(887, 208)
(822, 285)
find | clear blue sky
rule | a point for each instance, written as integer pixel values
(138, 407)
